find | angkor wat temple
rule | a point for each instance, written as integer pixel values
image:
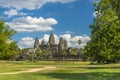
(56, 50)
(51, 45)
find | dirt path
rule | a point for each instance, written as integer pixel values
(29, 71)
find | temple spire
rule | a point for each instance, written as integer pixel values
(65, 44)
(43, 43)
(61, 44)
(36, 43)
(52, 39)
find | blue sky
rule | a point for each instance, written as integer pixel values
(69, 19)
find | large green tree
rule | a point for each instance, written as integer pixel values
(116, 6)
(73, 53)
(105, 34)
(8, 48)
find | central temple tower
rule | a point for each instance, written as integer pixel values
(51, 39)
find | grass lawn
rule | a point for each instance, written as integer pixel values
(63, 71)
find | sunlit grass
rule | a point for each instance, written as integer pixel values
(64, 71)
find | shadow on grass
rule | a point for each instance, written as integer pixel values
(82, 76)
(117, 67)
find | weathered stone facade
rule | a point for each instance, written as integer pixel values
(50, 45)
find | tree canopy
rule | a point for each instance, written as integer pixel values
(8, 48)
(105, 33)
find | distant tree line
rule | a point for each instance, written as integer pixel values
(47, 55)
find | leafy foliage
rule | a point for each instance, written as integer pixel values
(73, 51)
(63, 52)
(79, 42)
(116, 6)
(38, 52)
(8, 48)
(105, 39)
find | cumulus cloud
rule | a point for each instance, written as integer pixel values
(46, 38)
(28, 42)
(84, 40)
(30, 24)
(28, 4)
(95, 13)
(73, 41)
(66, 36)
(13, 12)
(95, 1)
(69, 32)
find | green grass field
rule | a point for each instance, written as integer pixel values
(63, 71)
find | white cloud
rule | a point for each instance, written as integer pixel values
(69, 32)
(66, 36)
(28, 4)
(95, 1)
(95, 13)
(13, 12)
(28, 42)
(30, 24)
(73, 41)
(46, 38)
(84, 40)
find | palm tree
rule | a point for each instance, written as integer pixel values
(79, 42)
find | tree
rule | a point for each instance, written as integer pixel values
(31, 57)
(105, 34)
(116, 6)
(63, 54)
(79, 41)
(38, 52)
(13, 49)
(24, 51)
(46, 53)
(73, 53)
(8, 48)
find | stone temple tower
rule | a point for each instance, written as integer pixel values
(61, 44)
(43, 43)
(65, 44)
(36, 43)
(51, 40)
